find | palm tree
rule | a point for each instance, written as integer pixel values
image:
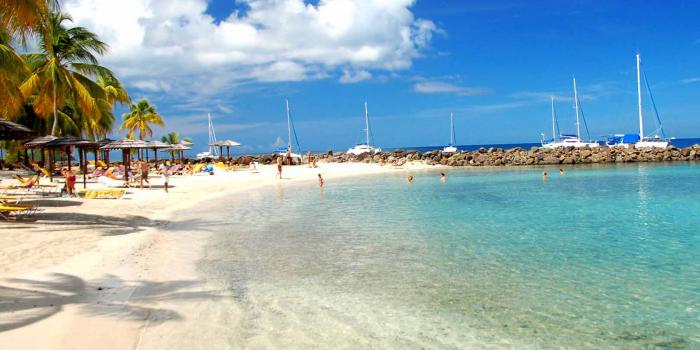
(12, 72)
(140, 118)
(60, 84)
(20, 18)
(173, 138)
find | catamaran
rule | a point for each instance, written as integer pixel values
(451, 147)
(639, 140)
(568, 140)
(282, 151)
(365, 147)
(212, 152)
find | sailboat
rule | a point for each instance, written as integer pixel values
(639, 140)
(212, 152)
(365, 147)
(282, 151)
(568, 140)
(555, 130)
(451, 147)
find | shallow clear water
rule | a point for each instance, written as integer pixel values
(601, 257)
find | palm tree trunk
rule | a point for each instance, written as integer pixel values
(54, 129)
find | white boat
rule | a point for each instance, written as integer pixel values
(364, 147)
(647, 141)
(564, 140)
(451, 147)
(282, 151)
(639, 140)
(212, 152)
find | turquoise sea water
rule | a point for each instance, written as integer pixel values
(601, 257)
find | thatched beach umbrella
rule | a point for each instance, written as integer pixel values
(176, 148)
(82, 145)
(225, 143)
(105, 153)
(155, 146)
(42, 143)
(126, 145)
(13, 132)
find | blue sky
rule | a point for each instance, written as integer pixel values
(493, 63)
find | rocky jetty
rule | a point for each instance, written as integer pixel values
(508, 157)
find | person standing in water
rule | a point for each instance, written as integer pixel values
(320, 181)
(409, 179)
(443, 178)
(561, 171)
(544, 175)
(279, 166)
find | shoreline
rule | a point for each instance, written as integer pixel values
(117, 273)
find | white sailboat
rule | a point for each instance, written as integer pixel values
(282, 151)
(451, 147)
(212, 152)
(567, 140)
(364, 147)
(646, 141)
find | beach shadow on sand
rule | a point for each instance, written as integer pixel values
(24, 301)
(107, 225)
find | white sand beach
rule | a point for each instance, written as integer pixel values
(113, 274)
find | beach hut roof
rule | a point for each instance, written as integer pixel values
(176, 147)
(104, 141)
(158, 144)
(225, 143)
(126, 144)
(186, 143)
(40, 141)
(70, 141)
(13, 131)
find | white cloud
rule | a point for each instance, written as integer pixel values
(159, 43)
(350, 76)
(691, 80)
(438, 87)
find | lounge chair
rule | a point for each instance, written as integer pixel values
(10, 211)
(109, 182)
(102, 193)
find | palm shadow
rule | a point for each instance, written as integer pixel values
(24, 301)
(110, 225)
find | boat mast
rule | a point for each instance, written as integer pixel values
(554, 132)
(212, 136)
(578, 124)
(639, 98)
(289, 127)
(366, 124)
(452, 129)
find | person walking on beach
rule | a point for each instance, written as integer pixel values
(288, 155)
(163, 169)
(70, 182)
(320, 181)
(279, 166)
(443, 178)
(308, 158)
(144, 173)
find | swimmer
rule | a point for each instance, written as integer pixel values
(544, 175)
(561, 171)
(442, 177)
(409, 179)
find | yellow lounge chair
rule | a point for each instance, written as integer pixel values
(102, 193)
(9, 212)
(102, 164)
